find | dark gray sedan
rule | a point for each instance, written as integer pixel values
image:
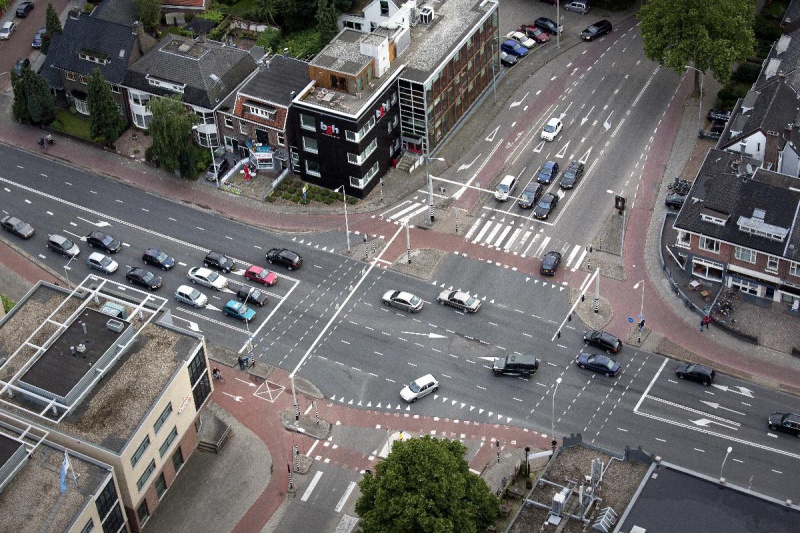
(402, 300)
(597, 363)
(18, 227)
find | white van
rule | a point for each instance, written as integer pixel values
(505, 188)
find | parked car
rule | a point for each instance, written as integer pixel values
(219, 261)
(597, 363)
(718, 127)
(38, 38)
(218, 169)
(787, 422)
(24, 8)
(507, 59)
(239, 310)
(719, 114)
(515, 365)
(535, 33)
(19, 228)
(548, 25)
(550, 263)
(578, 7)
(551, 129)
(459, 300)
(675, 200)
(571, 175)
(513, 48)
(700, 373)
(103, 241)
(402, 300)
(101, 262)
(143, 278)
(261, 275)
(191, 296)
(62, 245)
(530, 195)
(598, 29)
(249, 294)
(7, 29)
(207, 278)
(155, 257)
(548, 172)
(418, 388)
(506, 187)
(602, 339)
(291, 260)
(522, 39)
(21, 64)
(545, 206)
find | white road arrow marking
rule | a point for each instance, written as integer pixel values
(607, 124)
(563, 151)
(465, 167)
(515, 104)
(246, 382)
(586, 118)
(429, 335)
(742, 390)
(101, 224)
(705, 422)
(718, 406)
(235, 398)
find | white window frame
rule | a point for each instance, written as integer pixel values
(228, 122)
(351, 136)
(794, 269)
(745, 254)
(70, 76)
(354, 159)
(710, 218)
(304, 122)
(709, 245)
(281, 139)
(263, 112)
(684, 239)
(307, 146)
(313, 172)
(773, 263)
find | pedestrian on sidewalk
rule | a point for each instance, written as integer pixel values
(702, 323)
(241, 362)
(707, 321)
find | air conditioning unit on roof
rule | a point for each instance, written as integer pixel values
(426, 14)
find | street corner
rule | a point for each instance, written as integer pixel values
(304, 424)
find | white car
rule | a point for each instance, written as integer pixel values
(505, 188)
(419, 388)
(207, 278)
(551, 129)
(522, 39)
(191, 296)
(102, 262)
(7, 29)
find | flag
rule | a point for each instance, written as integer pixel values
(64, 466)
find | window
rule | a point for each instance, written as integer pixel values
(351, 136)
(794, 269)
(204, 117)
(745, 254)
(267, 113)
(228, 122)
(84, 79)
(394, 98)
(114, 522)
(116, 88)
(384, 8)
(167, 443)
(163, 417)
(70, 76)
(281, 139)
(707, 217)
(352, 25)
(197, 367)
(146, 475)
(161, 485)
(361, 183)
(143, 513)
(140, 99)
(140, 450)
(772, 263)
(360, 158)
(88, 527)
(106, 499)
(310, 145)
(177, 459)
(709, 245)
(307, 122)
(243, 127)
(312, 168)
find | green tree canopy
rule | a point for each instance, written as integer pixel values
(326, 22)
(149, 13)
(106, 122)
(425, 486)
(33, 101)
(171, 130)
(707, 35)
(53, 25)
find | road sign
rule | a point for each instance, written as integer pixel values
(630, 320)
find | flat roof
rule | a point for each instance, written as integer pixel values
(676, 500)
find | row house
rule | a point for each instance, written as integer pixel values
(740, 225)
(367, 15)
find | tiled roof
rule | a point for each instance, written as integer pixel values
(774, 105)
(720, 189)
(99, 36)
(119, 11)
(275, 81)
(209, 70)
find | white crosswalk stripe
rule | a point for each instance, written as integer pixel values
(483, 230)
(415, 207)
(572, 255)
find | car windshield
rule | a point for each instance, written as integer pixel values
(549, 128)
(470, 301)
(606, 362)
(592, 29)
(502, 187)
(161, 257)
(544, 203)
(147, 276)
(107, 239)
(546, 171)
(414, 300)
(212, 276)
(67, 244)
(194, 295)
(243, 309)
(413, 386)
(18, 225)
(105, 261)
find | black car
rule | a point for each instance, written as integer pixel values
(719, 114)
(700, 373)
(571, 175)
(252, 295)
(550, 264)
(219, 261)
(548, 172)
(103, 241)
(22, 63)
(515, 365)
(24, 8)
(675, 200)
(598, 363)
(287, 258)
(717, 127)
(547, 25)
(530, 195)
(788, 422)
(598, 29)
(143, 278)
(545, 206)
(157, 258)
(507, 59)
(18, 227)
(602, 339)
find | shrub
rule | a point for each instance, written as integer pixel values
(270, 198)
(286, 196)
(746, 73)
(766, 29)
(328, 201)
(214, 15)
(304, 202)
(296, 198)
(351, 200)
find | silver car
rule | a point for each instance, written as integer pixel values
(62, 245)
(102, 262)
(459, 300)
(402, 300)
(191, 296)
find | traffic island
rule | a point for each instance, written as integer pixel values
(307, 425)
(585, 309)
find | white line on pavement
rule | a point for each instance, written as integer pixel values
(343, 500)
(311, 487)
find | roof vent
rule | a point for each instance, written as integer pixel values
(426, 14)
(115, 325)
(758, 214)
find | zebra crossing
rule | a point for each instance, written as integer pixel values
(405, 210)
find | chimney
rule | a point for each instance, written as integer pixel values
(74, 13)
(285, 52)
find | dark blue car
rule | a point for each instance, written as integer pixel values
(37, 39)
(514, 48)
(598, 363)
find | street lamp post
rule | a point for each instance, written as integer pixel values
(554, 443)
(699, 102)
(641, 308)
(430, 185)
(558, 26)
(66, 269)
(722, 479)
(346, 223)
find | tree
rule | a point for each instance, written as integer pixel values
(425, 485)
(149, 13)
(326, 21)
(171, 130)
(106, 122)
(32, 99)
(267, 10)
(20, 106)
(53, 26)
(707, 35)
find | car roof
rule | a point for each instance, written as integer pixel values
(202, 271)
(553, 121)
(427, 378)
(511, 42)
(97, 256)
(8, 24)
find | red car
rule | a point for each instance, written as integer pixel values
(261, 275)
(534, 33)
